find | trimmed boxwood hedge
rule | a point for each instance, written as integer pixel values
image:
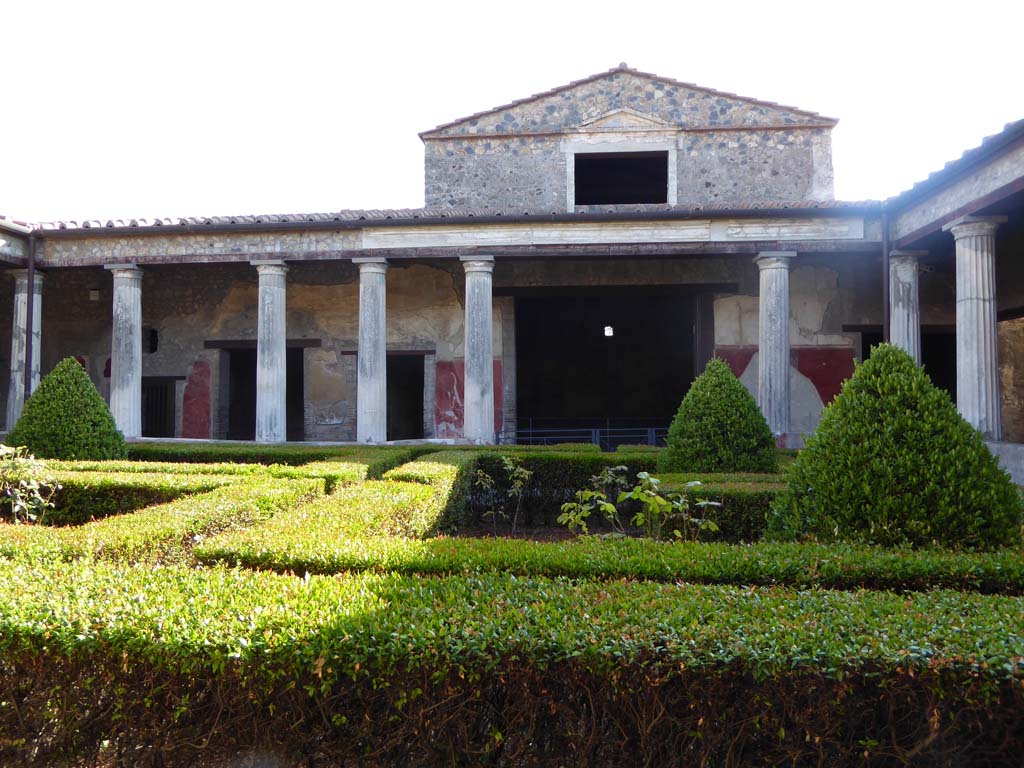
(378, 458)
(718, 428)
(164, 533)
(66, 418)
(893, 463)
(318, 549)
(85, 496)
(384, 670)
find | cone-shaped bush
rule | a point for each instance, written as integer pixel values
(66, 418)
(718, 428)
(894, 463)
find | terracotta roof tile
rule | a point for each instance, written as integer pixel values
(990, 145)
(433, 215)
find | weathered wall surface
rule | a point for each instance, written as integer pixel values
(526, 172)
(1011, 378)
(755, 166)
(729, 149)
(822, 355)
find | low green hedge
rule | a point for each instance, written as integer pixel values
(798, 565)
(416, 499)
(378, 458)
(170, 665)
(162, 533)
(85, 496)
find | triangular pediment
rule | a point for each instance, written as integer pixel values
(625, 99)
(625, 120)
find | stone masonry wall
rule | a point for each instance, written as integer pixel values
(730, 150)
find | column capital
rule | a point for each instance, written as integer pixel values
(371, 265)
(968, 226)
(774, 259)
(275, 267)
(21, 277)
(907, 255)
(124, 271)
(478, 263)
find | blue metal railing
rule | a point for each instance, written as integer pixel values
(607, 432)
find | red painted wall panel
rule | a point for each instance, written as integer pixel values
(449, 390)
(195, 416)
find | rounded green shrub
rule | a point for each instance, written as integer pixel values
(893, 463)
(718, 428)
(66, 418)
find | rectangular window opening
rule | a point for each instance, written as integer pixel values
(620, 178)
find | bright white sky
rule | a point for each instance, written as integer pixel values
(150, 108)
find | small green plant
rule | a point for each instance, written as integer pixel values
(663, 513)
(518, 478)
(486, 492)
(718, 428)
(26, 489)
(66, 418)
(658, 513)
(576, 513)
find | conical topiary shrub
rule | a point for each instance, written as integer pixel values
(718, 428)
(894, 463)
(66, 418)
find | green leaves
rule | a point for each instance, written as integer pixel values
(66, 418)
(893, 463)
(718, 428)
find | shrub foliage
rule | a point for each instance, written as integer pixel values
(66, 418)
(894, 463)
(718, 428)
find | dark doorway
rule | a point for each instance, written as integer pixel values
(938, 354)
(157, 406)
(602, 361)
(242, 394)
(611, 178)
(405, 397)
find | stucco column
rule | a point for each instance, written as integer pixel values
(977, 359)
(478, 400)
(271, 353)
(126, 351)
(372, 381)
(16, 388)
(905, 302)
(773, 338)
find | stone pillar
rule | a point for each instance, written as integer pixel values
(478, 399)
(372, 381)
(126, 351)
(16, 388)
(905, 302)
(977, 360)
(271, 353)
(773, 338)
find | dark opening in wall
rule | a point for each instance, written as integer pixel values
(614, 178)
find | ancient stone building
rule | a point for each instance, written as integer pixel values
(582, 253)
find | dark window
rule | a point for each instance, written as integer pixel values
(613, 178)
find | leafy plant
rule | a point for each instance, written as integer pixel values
(893, 463)
(658, 513)
(661, 513)
(25, 487)
(718, 428)
(65, 418)
(518, 478)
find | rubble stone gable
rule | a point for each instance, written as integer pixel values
(675, 104)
